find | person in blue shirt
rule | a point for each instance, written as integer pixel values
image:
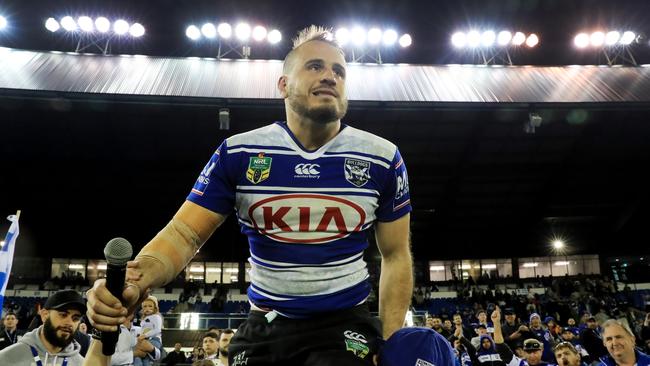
(620, 343)
(542, 335)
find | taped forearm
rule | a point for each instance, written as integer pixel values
(171, 249)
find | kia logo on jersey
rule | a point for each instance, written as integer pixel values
(306, 218)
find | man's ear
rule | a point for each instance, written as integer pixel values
(44, 313)
(282, 86)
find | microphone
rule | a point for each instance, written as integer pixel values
(118, 251)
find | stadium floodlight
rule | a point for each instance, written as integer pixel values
(136, 30)
(85, 24)
(504, 38)
(52, 25)
(558, 244)
(488, 38)
(597, 39)
(243, 31)
(192, 32)
(224, 30)
(581, 40)
(518, 39)
(473, 39)
(274, 36)
(208, 30)
(612, 37)
(627, 38)
(68, 24)
(121, 27)
(342, 36)
(459, 39)
(405, 40)
(3, 22)
(390, 37)
(259, 33)
(358, 36)
(374, 36)
(532, 40)
(102, 25)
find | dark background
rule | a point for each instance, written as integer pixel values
(85, 169)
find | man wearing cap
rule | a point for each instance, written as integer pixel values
(10, 334)
(542, 335)
(592, 341)
(568, 336)
(567, 355)
(53, 342)
(532, 347)
(417, 346)
(620, 343)
(553, 328)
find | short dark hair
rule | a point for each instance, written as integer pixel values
(226, 331)
(211, 335)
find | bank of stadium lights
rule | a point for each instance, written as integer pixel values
(3, 23)
(493, 47)
(614, 44)
(367, 44)
(94, 33)
(233, 40)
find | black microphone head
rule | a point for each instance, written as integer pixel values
(118, 251)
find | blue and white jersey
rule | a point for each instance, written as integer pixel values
(306, 213)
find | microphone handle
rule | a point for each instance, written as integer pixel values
(115, 276)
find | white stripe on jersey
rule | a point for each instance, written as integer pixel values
(305, 189)
(285, 264)
(313, 281)
(268, 295)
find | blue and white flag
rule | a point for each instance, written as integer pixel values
(7, 255)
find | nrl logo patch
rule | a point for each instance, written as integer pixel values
(259, 168)
(358, 348)
(357, 171)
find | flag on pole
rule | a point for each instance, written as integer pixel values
(7, 255)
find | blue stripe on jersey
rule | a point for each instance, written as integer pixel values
(270, 147)
(302, 307)
(359, 154)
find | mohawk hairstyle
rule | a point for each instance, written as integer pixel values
(311, 33)
(314, 33)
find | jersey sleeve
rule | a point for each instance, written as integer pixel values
(215, 187)
(395, 200)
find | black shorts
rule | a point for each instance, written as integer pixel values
(342, 338)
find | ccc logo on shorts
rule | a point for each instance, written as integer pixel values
(355, 336)
(307, 169)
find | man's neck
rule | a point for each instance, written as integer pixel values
(311, 135)
(10, 330)
(48, 346)
(626, 360)
(223, 359)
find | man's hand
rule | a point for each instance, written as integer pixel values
(105, 311)
(496, 316)
(459, 331)
(523, 328)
